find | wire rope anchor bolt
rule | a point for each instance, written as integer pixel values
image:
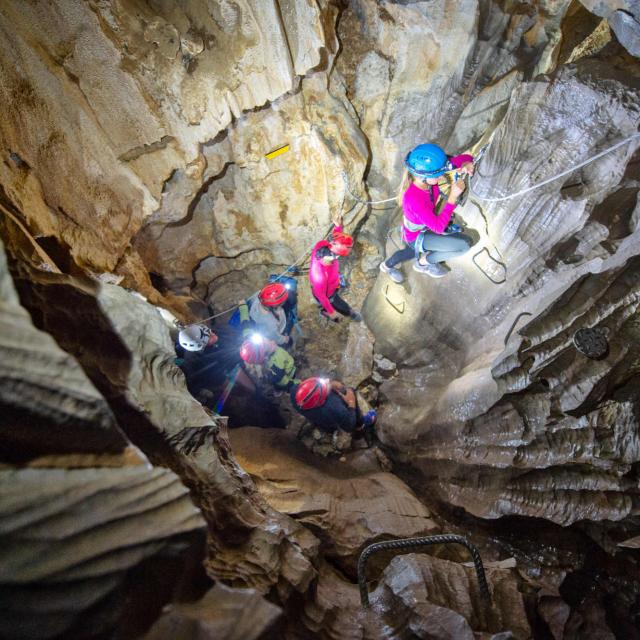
(591, 342)
(416, 543)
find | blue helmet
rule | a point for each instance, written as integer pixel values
(427, 161)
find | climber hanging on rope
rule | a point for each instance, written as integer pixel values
(273, 364)
(427, 234)
(324, 274)
(330, 405)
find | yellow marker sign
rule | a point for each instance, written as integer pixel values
(277, 152)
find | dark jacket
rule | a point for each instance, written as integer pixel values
(333, 414)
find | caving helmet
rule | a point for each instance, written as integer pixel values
(273, 294)
(427, 161)
(194, 337)
(312, 393)
(341, 244)
(254, 350)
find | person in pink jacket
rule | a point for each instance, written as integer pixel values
(423, 229)
(324, 275)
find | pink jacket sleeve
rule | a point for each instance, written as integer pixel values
(463, 158)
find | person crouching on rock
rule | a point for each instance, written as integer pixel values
(423, 229)
(330, 405)
(274, 364)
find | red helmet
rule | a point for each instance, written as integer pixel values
(273, 295)
(312, 393)
(254, 351)
(342, 243)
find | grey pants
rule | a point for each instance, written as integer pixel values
(440, 247)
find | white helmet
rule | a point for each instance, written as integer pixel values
(194, 337)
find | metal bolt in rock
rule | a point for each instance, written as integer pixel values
(591, 342)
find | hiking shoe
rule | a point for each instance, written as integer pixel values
(392, 272)
(355, 316)
(433, 270)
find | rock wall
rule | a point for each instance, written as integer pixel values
(542, 244)
(79, 497)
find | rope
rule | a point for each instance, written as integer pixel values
(560, 175)
(410, 543)
(287, 270)
(355, 197)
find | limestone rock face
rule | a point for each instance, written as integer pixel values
(442, 595)
(125, 347)
(418, 596)
(109, 100)
(623, 17)
(81, 509)
(244, 210)
(532, 241)
(222, 614)
(86, 529)
(347, 504)
(44, 414)
(412, 68)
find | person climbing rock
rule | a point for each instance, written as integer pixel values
(267, 311)
(324, 274)
(424, 231)
(276, 366)
(330, 405)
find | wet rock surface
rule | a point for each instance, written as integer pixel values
(149, 398)
(417, 596)
(346, 502)
(221, 614)
(545, 394)
(83, 515)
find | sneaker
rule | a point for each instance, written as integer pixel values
(394, 274)
(355, 316)
(433, 270)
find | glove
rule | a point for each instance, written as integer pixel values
(369, 418)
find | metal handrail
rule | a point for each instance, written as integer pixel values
(410, 543)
